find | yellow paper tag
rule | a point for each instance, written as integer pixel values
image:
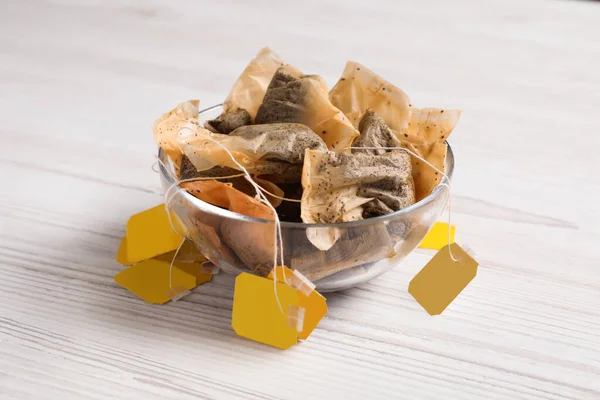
(257, 316)
(437, 237)
(149, 280)
(188, 253)
(314, 304)
(442, 279)
(196, 270)
(122, 252)
(150, 234)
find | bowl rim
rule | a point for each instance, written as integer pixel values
(209, 208)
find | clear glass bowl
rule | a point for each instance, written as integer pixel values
(365, 249)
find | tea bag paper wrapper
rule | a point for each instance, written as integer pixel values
(150, 234)
(425, 136)
(166, 128)
(294, 97)
(149, 280)
(249, 89)
(252, 242)
(314, 304)
(272, 149)
(256, 315)
(360, 89)
(423, 131)
(437, 237)
(442, 279)
(332, 184)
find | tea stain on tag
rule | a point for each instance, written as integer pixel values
(437, 237)
(257, 316)
(442, 279)
(150, 234)
(149, 280)
(314, 304)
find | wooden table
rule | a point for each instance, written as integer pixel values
(82, 82)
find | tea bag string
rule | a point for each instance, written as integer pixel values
(446, 184)
(278, 237)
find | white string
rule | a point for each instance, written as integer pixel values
(447, 184)
(277, 235)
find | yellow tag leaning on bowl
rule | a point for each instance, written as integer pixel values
(257, 316)
(314, 304)
(442, 279)
(150, 234)
(437, 237)
(149, 280)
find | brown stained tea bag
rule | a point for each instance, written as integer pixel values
(294, 97)
(423, 131)
(166, 128)
(252, 242)
(229, 121)
(269, 149)
(426, 135)
(249, 89)
(374, 132)
(360, 89)
(338, 185)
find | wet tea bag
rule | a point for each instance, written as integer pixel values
(423, 131)
(294, 97)
(229, 121)
(249, 89)
(252, 242)
(338, 185)
(166, 128)
(276, 150)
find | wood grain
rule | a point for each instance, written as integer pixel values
(81, 83)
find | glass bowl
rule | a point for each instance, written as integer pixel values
(365, 249)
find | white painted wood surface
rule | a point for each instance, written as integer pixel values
(81, 83)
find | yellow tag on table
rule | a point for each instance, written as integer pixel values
(442, 279)
(437, 237)
(194, 269)
(149, 280)
(122, 252)
(257, 316)
(150, 234)
(314, 304)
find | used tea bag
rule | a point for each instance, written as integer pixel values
(268, 149)
(229, 121)
(252, 242)
(389, 196)
(338, 185)
(294, 97)
(422, 131)
(374, 132)
(249, 89)
(360, 89)
(166, 128)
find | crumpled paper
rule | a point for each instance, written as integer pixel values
(294, 97)
(338, 185)
(422, 131)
